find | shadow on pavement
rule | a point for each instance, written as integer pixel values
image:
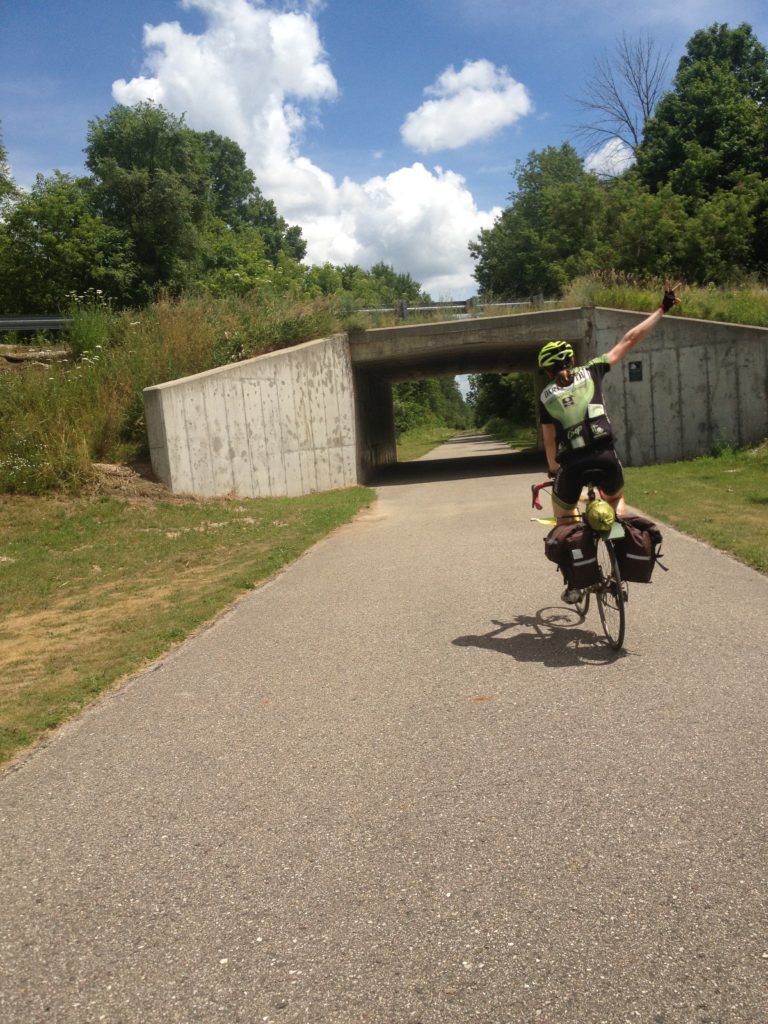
(553, 636)
(463, 468)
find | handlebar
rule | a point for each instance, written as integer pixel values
(535, 488)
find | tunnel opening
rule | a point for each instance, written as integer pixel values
(499, 362)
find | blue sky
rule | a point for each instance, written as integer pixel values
(388, 130)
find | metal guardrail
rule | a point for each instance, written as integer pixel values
(34, 322)
(466, 307)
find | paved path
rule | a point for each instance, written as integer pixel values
(401, 783)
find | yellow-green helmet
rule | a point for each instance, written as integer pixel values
(555, 355)
(600, 515)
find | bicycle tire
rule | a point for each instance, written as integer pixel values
(610, 595)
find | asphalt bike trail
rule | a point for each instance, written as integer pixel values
(403, 783)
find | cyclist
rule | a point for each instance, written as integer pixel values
(576, 429)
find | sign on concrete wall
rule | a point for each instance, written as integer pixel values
(690, 385)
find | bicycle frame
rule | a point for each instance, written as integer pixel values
(610, 591)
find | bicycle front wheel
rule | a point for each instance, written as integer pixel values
(610, 595)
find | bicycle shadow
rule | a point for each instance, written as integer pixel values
(555, 639)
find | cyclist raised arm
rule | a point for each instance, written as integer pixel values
(576, 429)
(639, 331)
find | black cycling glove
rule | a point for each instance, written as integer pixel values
(669, 300)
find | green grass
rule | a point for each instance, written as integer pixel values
(744, 305)
(517, 436)
(91, 590)
(721, 499)
(414, 443)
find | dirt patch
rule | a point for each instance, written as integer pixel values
(17, 358)
(131, 483)
(49, 649)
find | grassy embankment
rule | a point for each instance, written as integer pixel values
(60, 419)
(747, 305)
(93, 589)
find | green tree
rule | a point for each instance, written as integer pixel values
(7, 187)
(54, 244)
(325, 279)
(232, 262)
(150, 184)
(724, 241)
(506, 396)
(174, 191)
(391, 286)
(235, 199)
(644, 230)
(433, 402)
(550, 233)
(381, 286)
(711, 129)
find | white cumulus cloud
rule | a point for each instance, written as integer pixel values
(256, 74)
(471, 104)
(610, 160)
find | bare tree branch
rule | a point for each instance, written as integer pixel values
(622, 92)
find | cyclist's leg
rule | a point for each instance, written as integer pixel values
(565, 493)
(612, 485)
(617, 501)
(565, 496)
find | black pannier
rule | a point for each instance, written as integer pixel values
(638, 550)
(572, 547)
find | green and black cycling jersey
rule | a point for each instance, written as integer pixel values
(577, 411)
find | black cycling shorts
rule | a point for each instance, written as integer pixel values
(569, 481)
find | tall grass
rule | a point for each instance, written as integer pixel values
(58, 419)
(745, 305)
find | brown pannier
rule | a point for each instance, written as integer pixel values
(638, 550)
(572, 547)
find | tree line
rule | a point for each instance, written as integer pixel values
(168, 211)
(165, 210)
(693, 202)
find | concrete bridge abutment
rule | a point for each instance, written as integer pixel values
(319, 416)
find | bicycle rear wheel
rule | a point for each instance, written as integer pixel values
(610, 595)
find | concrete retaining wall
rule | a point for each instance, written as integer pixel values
(688, 386)
(319, 415)
(278, 425)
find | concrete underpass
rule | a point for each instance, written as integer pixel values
(319, 416)
(384, 356)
